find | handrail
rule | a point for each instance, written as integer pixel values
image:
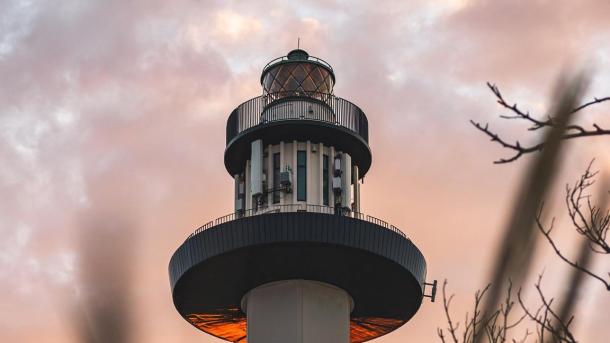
(289, 208)
(296, 106)
(285, 58)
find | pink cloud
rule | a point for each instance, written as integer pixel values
(147, 86)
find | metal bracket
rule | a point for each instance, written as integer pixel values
(286, 189)
(432, 294)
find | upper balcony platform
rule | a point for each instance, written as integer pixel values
(288, 116)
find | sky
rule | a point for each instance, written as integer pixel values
(113, 113)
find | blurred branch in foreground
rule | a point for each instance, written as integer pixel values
(518, 242)
(552, 121)
(105, 261)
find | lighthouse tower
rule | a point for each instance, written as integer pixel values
(297, 260)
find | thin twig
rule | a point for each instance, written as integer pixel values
(593, 225)
(547, 319)
(547, 234)
(571, 131)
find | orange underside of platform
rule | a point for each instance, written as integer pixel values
(231, 325)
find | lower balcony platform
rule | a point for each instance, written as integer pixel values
(375, 263)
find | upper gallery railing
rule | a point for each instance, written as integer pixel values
(274, 107)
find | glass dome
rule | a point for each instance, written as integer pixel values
(297, 74)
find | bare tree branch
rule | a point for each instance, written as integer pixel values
(594, 225)
(591, 222)
(571, 131)
(496, 327)
(547, 234)
(546, 319)
(446, 304)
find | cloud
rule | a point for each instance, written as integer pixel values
(520, 41)
(114, 112)
(232, 25)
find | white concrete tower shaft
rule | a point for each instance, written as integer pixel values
(298, 311)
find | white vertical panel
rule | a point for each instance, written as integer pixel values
(282, 166)
(331, 159)
(320, 174)
(308, 168)
(356, 176)
(346, 180)
(256, 168)
(295, 148)
(247, 186)
(269, 173)
(238, 200)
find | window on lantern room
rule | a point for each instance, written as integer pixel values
(301, 175)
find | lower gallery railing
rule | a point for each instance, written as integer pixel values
(297, 208)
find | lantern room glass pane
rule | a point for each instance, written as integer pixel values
(297, 78)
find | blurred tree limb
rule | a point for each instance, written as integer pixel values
(518, 243)
(551, 319)
(103, 312)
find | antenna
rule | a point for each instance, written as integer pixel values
(298, 42)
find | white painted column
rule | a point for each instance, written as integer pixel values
(247, 184)
(282, 168)
(270, 180)
(346, 180)
(256, 168)
(297, 311)
(320, 174)
(295, 148)
(309, 174)
(238, 200)
(331, 161)
(356, 176)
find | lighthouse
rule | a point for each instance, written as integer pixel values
(297, 260)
